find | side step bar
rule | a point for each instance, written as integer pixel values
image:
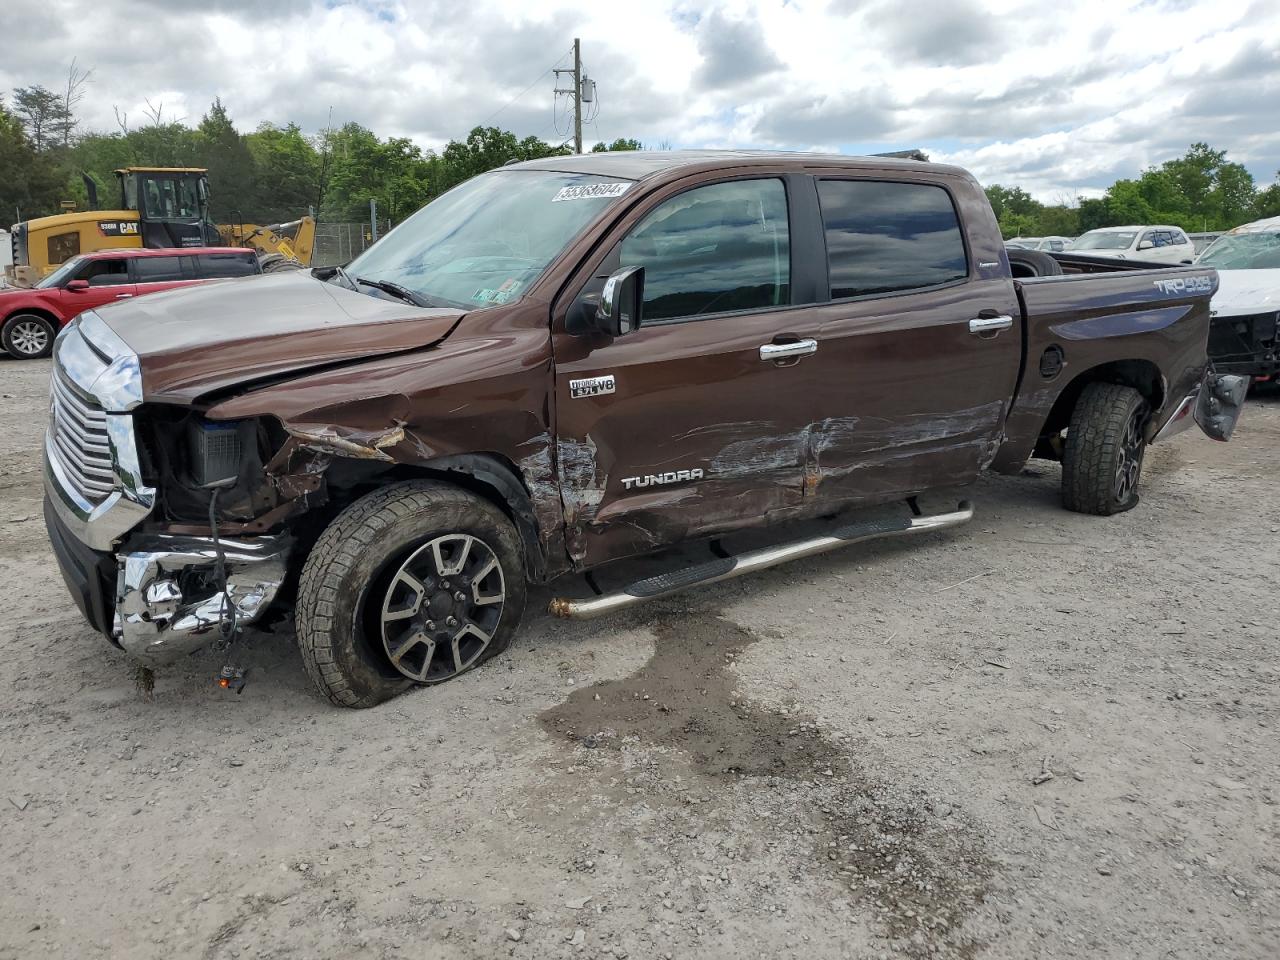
(726, 568)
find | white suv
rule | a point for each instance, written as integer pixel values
(1151, 244)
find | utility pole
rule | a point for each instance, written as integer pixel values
(575, 93)
(577, 96)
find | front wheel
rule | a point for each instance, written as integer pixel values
(1106, 442)
(28, 336)
(413, 584)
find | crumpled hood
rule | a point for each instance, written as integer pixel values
(198, 339)
(1243, 292)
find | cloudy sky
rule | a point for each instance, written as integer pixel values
(1059, 97)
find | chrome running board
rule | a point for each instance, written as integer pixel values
(726, 568)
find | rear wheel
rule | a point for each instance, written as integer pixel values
(414, 584)
(277, 263)
(1106, 443)
(28, 336)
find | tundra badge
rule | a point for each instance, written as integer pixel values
(671, 476)
(591, 387)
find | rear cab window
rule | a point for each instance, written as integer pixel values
(212, 266)
(158, 269)
(715, 249)
(887, 237)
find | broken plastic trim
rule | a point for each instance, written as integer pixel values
(726, 568)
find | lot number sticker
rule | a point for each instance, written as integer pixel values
(590, 191)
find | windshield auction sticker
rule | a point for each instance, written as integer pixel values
(590, 191)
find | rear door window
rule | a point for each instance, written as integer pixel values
(157, 269)
(885, 237)
(716, 249)
(214, 265)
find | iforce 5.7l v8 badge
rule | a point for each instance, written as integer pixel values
(591, 387)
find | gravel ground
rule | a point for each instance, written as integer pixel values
(838, 758)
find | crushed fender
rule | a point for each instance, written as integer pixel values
(373, 447)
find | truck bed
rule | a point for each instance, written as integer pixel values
(1136, 320)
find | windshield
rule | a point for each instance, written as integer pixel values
(486, 241)
(62, 274)
(1103, 240)
(170, 198)
(1244, 251)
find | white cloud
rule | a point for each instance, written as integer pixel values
(1060, 98)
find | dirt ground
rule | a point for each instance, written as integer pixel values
(838, 758)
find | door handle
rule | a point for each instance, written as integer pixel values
(123, 296)
(990, 324)
(785, 351)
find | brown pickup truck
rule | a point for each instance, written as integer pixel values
(570, 361)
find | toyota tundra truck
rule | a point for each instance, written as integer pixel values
(569, 361)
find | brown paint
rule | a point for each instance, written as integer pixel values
(900, 397)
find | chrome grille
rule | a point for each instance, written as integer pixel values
(78, 431)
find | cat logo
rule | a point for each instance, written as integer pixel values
(118, 228)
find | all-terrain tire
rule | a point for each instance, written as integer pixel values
(1032, 263)
(347, 577)
(1102, 460)
(277, 263)
(28, 336)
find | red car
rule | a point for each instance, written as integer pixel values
(30, 317)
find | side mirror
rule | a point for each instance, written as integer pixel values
(77, 286)
(1145, 245)
(618, 312)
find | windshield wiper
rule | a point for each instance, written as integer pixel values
(402, 293)
(326, 274)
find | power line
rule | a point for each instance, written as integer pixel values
(536, 81)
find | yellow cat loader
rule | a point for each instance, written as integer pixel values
(159, 207)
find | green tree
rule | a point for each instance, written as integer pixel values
(43, 114)
(1234, 195)
(622, 143)
(286, 170)
(1058, 221)
(1126, 204)
(222, 150)
(1193, 173)
(1267, 203)
(29, 185)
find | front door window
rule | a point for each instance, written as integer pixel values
(717, 249)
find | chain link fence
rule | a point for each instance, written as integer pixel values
(340, 243)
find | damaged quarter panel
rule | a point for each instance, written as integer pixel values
(482, 391)
(1146, 328)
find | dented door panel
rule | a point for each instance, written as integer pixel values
(699, 434)
(910, 390)
(906, 398)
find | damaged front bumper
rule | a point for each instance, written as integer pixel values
(169, 602)
(157, 597)
(1214, 405)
